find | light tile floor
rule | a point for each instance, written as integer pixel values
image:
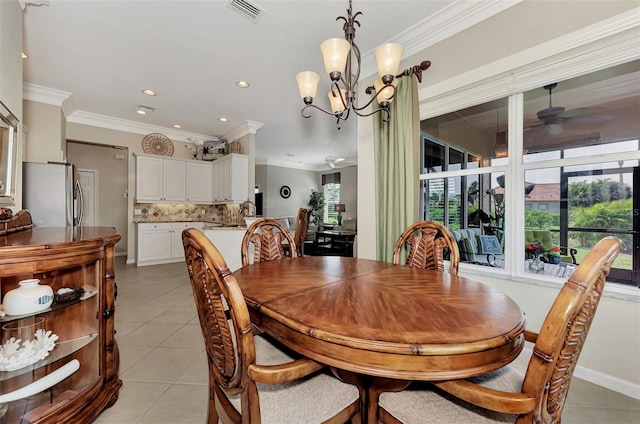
(164, 367)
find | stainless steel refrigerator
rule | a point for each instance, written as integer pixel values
(52, 194)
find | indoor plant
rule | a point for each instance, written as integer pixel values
(316, 203)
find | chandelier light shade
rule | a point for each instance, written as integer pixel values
(342, 64)
(387, 58)
(385, 92)
(337, 100)
(308, 84)
(334, 54)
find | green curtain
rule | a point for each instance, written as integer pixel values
(396, 150)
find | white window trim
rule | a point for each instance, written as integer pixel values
(602, 45)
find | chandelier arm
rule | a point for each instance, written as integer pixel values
(380, 109)
(321, 110)
(373, 97)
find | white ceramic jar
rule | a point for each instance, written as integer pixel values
(29, 298)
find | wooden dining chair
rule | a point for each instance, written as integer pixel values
(251, 380)
(269, 238)
(302, 225)
(506, 395)
(427, 241)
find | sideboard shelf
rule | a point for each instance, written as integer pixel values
(81, 257)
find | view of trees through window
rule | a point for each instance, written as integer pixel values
(332, 197)
(579, 172)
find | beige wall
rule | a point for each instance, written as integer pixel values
(45, 140)
(531, 36)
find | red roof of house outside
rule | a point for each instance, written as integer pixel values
(541, 192)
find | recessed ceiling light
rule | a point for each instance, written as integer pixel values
(141, 112)
(177, 126)
(24, 56)
(149, 92)
(242, 84)
(223, 119)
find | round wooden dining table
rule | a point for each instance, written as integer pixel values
(380, 322)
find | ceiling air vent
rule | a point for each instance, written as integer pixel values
(246, 9)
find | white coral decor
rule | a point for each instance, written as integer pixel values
(13, 357)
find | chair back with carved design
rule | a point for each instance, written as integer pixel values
(427, 241)
(238, 359)
(505, 395)
(229, 343)
(269, 238)
(564, 331)
(302, 225)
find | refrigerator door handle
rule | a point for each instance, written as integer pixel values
(80, 203)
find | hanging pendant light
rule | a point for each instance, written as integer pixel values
(342, 65)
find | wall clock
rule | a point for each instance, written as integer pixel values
(285, 192)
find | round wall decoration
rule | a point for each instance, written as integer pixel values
(285, 192)
(157, 144)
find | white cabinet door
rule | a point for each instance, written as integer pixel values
(239, 178)
(199, 182)
(154, 242)
(174, 180)
(231, 179)
(149, 178)
(177, 249)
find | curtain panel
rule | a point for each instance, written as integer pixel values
(396, 155)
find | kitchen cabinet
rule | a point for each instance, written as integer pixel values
(161, 242)
(160, 180)
(79, 377)
(229, 242)
(199, 182)
(231, 179)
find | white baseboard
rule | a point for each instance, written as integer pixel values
(131, 261)
(616, 384)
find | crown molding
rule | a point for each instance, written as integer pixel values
(50, 96)
(102, 121)
(598, 46)
(445, 23)
(248, 127)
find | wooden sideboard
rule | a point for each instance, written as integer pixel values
(81, 257)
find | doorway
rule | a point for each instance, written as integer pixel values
(110, 191)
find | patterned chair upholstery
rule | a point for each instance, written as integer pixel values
(478, 248)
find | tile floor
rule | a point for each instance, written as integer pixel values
(164, 368)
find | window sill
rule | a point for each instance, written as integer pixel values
(611, 289)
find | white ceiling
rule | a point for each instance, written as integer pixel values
(103, 53)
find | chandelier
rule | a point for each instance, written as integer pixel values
(342, 64)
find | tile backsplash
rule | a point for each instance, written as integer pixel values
(178, 212)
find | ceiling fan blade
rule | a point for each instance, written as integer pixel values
(573, 113)
(590, 119)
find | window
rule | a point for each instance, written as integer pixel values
(577, 159)
(331, 188)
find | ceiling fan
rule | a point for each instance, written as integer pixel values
(333, 161)
(551, 118)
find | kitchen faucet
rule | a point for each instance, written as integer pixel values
(247, 205)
